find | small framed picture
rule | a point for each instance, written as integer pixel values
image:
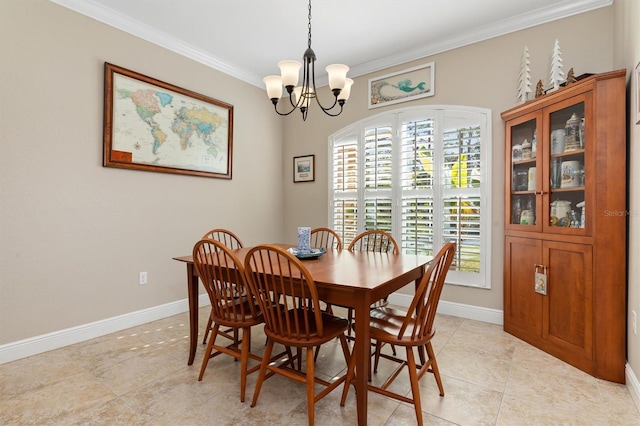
(637, 73)
(304, 168)
(407, 85)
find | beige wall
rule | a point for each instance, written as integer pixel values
(627, 55)
(73, 234)
(481, 75)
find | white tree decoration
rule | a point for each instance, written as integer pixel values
(556, 76)
(524, 87)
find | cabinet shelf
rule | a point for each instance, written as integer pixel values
(572, 153)
(572, 189)
(528, 161)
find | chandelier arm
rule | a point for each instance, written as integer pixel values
(328, 110)
(335, 100)
(275, 107)
(293, 106)
(325, 109)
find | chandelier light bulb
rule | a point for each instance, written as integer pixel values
(337, 75)
(290, 72)
(346, 91)
(273, 84)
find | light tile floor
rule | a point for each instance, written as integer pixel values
(140, 377)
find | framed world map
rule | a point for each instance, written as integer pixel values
(155, 126)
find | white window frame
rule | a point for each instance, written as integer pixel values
(356, 133)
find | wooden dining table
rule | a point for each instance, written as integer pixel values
(343, 278)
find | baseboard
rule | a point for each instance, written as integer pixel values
(58, 339)
(493, 316)
(633, 385)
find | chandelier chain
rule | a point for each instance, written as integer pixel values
(309, 43)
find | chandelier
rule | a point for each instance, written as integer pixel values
(300, 96)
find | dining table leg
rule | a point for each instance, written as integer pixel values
(192, 292)
(362, 349)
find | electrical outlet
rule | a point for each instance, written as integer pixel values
(142, 278)
(634, 322)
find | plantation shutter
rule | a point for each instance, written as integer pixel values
(421, 174)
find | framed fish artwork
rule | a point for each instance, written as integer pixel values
(407, 85)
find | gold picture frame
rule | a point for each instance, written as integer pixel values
(155, 126)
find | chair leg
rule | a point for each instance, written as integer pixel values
(375, 364)
(315, 356)
(351, 368)
(206, 331)
(244, 359)
(310, 386)
(415, 387)
(423, 360)
(263, 370)
(290, 357)
(328, 309)
(207, 352)
(350, 320)
(434, 367)
(345, 348)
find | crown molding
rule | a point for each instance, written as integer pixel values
(563, 9)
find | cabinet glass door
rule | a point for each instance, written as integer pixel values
(568, 168)
(522, 141)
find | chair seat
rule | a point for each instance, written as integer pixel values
(333, 327)
(385, 326)
(239, 321)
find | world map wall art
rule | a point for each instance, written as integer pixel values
(155, 126)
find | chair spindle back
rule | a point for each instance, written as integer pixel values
(225, 236)
(375, 241)
(325, 238)
(223, 276)
(425, 302)
(286, 293)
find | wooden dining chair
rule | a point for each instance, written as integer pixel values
(377, 241)
(225, 236)
(232, 305)
(412, 329)
(289, 301)
(230, 240)
(325, 238)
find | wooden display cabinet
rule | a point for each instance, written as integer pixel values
(566, 224)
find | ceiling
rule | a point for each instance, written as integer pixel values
(247, 38)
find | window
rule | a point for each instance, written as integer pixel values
(422, 174)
